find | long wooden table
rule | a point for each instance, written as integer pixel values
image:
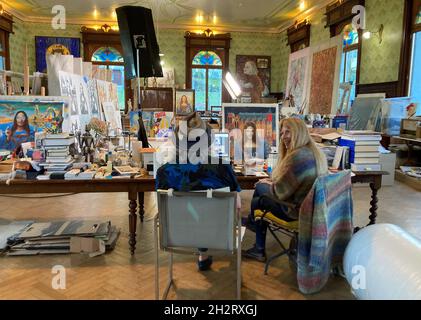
(136, 188)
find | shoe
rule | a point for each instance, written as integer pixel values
(205, 265)
(254, 254)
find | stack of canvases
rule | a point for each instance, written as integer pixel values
(62, 237)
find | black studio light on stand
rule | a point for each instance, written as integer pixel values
(140, 50)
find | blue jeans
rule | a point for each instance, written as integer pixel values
(276, 208)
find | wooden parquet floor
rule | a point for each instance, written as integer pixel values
(117, 275)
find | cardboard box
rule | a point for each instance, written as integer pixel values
(87, 245)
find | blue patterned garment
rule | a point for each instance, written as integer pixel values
(196, 177)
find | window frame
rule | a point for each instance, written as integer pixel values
(220, 44)
(409, 29)
(95, 39)
(207, 68)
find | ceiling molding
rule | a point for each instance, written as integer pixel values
(308, 14)
(178, 26)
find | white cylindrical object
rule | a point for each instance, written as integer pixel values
(383, 262)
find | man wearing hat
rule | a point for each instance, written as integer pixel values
(192, 170)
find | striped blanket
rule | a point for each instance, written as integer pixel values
(325, 229)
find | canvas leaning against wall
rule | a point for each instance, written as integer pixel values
(298, 79)
(325, 70)
(20, 120)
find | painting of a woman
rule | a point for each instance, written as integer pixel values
(19, 133)
(184, 102)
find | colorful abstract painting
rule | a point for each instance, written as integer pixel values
(52, 45)
(20, 120)
(323, 80)
(157, 124)
(298, 76)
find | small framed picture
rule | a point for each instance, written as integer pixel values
(262, 63)
(184, 102)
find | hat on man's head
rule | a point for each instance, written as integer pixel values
(192, 121)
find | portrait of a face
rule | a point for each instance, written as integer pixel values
(184, 102)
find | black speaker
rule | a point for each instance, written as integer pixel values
(137, 31)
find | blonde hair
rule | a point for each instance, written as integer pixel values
(300, 137)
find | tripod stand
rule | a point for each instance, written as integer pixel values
(141, 134)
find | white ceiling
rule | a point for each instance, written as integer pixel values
(232, 15)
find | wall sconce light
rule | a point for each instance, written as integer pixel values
(379, 34)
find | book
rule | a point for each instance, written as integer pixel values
(338, 157)
(367, 154)
(59, 142)
(126, 170)
(365, 167)
(361, 133)
(377, 138)
(366, 160)
(361, 148)
(63, 135)
(59, 160)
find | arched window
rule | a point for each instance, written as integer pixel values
(349, 67)
(207, 70)
(110, 58)
(107, 54)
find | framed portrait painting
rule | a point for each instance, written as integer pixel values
(52, 45)
(259, 122)
(253, 75)
(184, 102)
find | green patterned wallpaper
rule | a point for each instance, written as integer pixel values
(380, 62)
(26, 32)
(318, 31)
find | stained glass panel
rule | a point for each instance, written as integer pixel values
(215, 87)
(107, 54)
(199, 85)
(207, 58)
(350, 36)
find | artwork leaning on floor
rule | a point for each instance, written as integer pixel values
(20, 120)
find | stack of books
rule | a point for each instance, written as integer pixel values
(363, 147)
(57, 152)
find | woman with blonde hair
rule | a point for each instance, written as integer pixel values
(299, 165)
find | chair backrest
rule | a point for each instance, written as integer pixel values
(197, 220)
(325, 229)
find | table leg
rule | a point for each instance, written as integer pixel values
(374, 200)
(141, 197)
(132, 224)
